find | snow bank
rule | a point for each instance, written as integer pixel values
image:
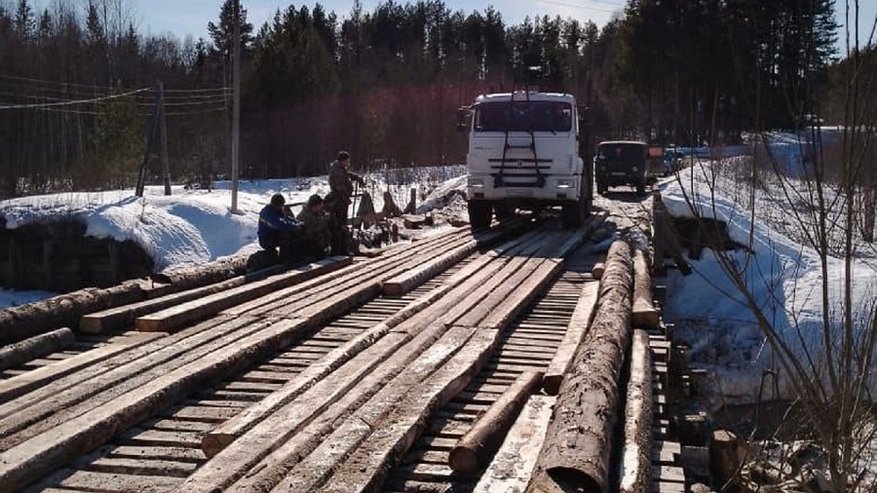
(783, 275)
(9, 298)
(195, 226)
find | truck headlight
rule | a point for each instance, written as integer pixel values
(564, 183)
(476, 182)
(634, 168)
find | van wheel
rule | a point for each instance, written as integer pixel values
(480, 214)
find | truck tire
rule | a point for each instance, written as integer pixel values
(602, 188)
(573, 214)
(640, 188)
(480, 214)
(503, 212)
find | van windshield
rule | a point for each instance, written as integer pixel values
(621, 152)
(539, 116)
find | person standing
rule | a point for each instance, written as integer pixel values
(341, 185)
(276, 230)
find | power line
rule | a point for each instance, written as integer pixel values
(53, 82)
(74, 102)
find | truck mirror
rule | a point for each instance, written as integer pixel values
(462, 113)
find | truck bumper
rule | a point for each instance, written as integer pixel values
(557, 189)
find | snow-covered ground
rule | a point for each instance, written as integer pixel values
(781, 271)
(195, 226)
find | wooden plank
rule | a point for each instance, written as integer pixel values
(477, 446)
(513, 465)
(142, 467)
(107, 482)
(26, 382)
(575, 332)
(35, 457)
(635, 470)
(405, 282)
(190, 311)
(27, 417)
(21, 352)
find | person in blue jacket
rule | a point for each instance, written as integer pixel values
(276, 229)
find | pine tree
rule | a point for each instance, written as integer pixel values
(222, 33)
(24, 21)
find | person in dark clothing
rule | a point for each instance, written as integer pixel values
(276, 230)
(316, 235)
(341, 183)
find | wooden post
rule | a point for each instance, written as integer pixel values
(236, 109)
(150, 134)
(411, 208)
(162, 123)
(476, 448)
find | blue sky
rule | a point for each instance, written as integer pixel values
(183, 17)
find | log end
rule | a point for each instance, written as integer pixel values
(214, 443)
(551, 383)
(598, 270)
(463, 460)
(648, 318)
(90, 325)
(392, 288)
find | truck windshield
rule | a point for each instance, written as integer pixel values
(539, 116)
(621, 152)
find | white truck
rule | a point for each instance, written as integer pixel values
(524, 153)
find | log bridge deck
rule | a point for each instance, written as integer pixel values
(433, 367)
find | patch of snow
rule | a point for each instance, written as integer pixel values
(196, 226)
(784, 276)
(10, 298)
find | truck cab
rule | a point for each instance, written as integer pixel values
(524, 153)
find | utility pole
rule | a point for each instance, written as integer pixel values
(162, 125)
(236, 110)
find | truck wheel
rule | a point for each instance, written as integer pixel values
(503, 212)
(573, 214)
(480, 214)
(602, 188)
(640, 188)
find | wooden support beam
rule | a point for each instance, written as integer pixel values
(36, 347)
(577, 450)
(35, 457)
(125, 316)
(636, 466)
(19, 385)
(174, 317)
(576, 329)
(476, 448)
(513, 464)
(410, 279)
(598, 270)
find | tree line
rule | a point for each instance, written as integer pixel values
(385, 84)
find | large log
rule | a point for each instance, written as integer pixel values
(575, 332)
(217, 271)
(42, 453)
(176, 316)
(635, 468)
(576, 454)
(476, 448)
(22, 322)
(36, 347)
